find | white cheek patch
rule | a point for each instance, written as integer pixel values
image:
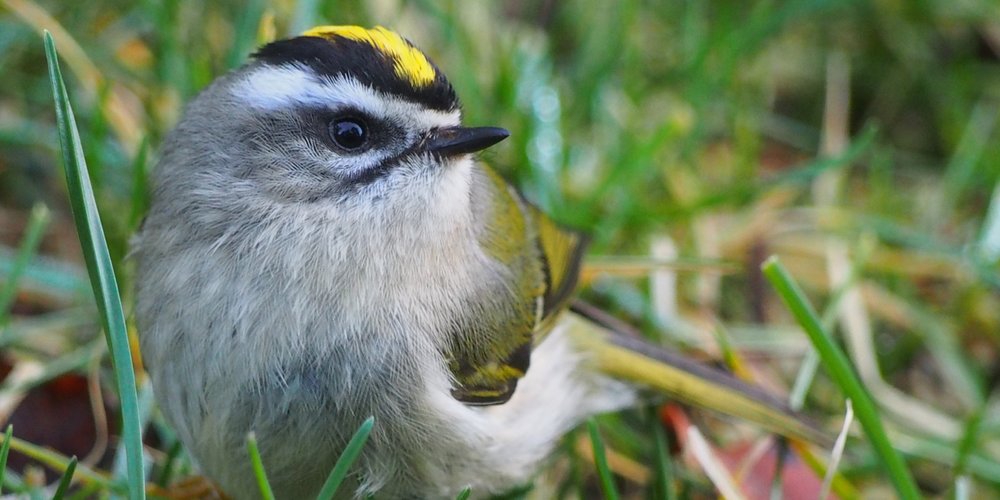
(285, 87)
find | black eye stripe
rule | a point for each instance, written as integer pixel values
(387, 143)
(369, 175)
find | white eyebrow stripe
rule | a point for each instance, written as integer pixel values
(283, 87)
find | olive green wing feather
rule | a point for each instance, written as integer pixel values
(491, 351)
(561, 251)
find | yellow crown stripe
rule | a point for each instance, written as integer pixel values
(409, 63)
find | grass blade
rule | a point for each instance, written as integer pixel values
(66, 479)
(4, 451)
(347, 458)
(57, 462)
(37, 223)
(970, 438)
(836, 362)
(144, 398)
(601, 460)
(166, 474)
(102, 275)
(989, 238)
(464, 494)
(258, 468)
(140, 186)
(664, 466)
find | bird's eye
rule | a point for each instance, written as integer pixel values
(349, 133)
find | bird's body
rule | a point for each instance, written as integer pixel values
(292, 282)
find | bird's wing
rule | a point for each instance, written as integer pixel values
(492, 379)
(562, 252)
(490, 354)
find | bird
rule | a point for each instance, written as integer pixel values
(324, 245)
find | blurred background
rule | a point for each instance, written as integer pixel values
(856, 140)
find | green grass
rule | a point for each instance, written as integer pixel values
(65, 480)
(55, 461)
(37, 222)
(346, 459)
(840, 369)
(700, 122)
(102, 274)
(663, 465)
(4, 452)
(258, 468)
(601, 461)
(464, 494)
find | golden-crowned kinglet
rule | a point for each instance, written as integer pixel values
(322, 246)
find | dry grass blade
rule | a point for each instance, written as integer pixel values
(838, 451)
(712, 465)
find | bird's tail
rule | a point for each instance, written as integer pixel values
(628, 357)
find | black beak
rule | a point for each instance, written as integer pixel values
(460, 140)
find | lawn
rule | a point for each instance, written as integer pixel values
(856, 141)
